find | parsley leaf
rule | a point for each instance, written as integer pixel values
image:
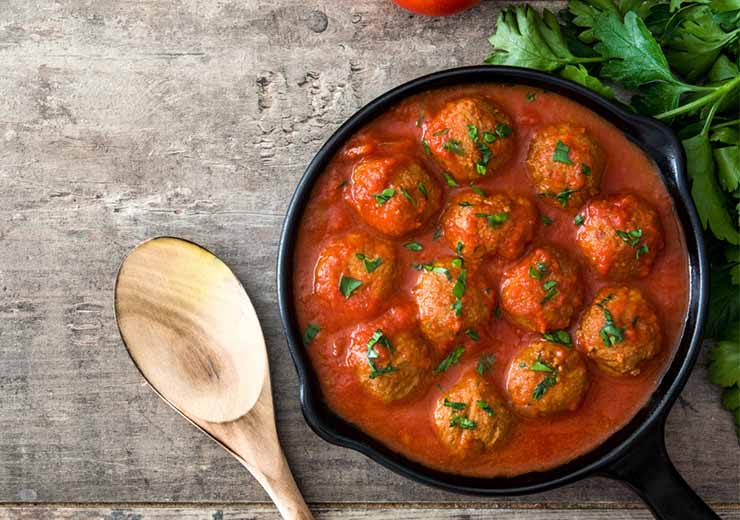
(483, 405)
(558, 336)
(453, 404)
(485, 361)
(413, 246)
(561, 153)
(348, 285)
(310, 333)
(384, 196)
(378, 338)
(370, 265)
(543, 386)
(452, 359)
(494, 220)
(540, 366)
(462, 422)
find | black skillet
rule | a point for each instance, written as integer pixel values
(636, 454)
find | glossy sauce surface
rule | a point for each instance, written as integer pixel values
(535, 444)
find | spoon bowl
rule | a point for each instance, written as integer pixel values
(193, 333)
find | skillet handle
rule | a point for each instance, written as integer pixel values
(647, 469)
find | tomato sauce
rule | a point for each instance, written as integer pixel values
(535, 444)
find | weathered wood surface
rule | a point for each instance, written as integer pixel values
(124, 120)
(454, 512)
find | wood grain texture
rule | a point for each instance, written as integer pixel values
(124, 120)
(350, 512)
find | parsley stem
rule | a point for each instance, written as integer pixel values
(718, 92)
(725, 124)
(710, 115)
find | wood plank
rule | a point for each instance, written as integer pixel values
(121, 121)
(361, 512)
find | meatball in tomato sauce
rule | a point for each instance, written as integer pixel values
(393, 194)
(355, 274)
(565, 164)
(547, 378)
(620, 236)
(470, 137)
(542, 291)
(471, 417)
(450, 298)
(476, 225)
(619, 330)
(391, 363)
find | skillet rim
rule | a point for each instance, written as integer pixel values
(656, 140)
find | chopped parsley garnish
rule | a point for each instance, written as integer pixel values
(503, 130)
(413, 246)
(561, 153)
(472, 334)
(453, 404)
(433, 269)
(604, 301)
(454, 146)
(497, 311)
(564, 196)
(531, 96)
(348, 285)
(643, 249)
(585, 169)
(483, 405)
(578, 220)
(423, 190)
(456, 262)
(550, 288)
(464, 204)
(522, 365)
(546, 220)
(378, 338)
(481, 166)
(458, 291)
(459, 248)
(425, 145)
(452, 359)
(384, 196)
(630, 237)
(310, 333)
(473, 133)
(610, 334)
(451, 182)
(420, 119)
(477, 190)
(370, 265)
(540, 366)
(437, 234)
(342, 184)
(462, 422)
(489, 137)
(408, 196)
(494, 220)
(558, 336)
(538, 270)
(543, 386)
(441, 132)
(485, 361)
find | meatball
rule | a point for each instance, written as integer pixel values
(620, 237)
(355, 274)
(542, 291)
(495, 224)
(393, 194)
(619, 331)
(390, 363)
(470, 137)
(566, 165)
(472, 417)
(450, 299)
(546, 378)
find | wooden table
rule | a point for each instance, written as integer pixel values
(121, 120)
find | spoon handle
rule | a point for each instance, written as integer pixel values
(279, 483)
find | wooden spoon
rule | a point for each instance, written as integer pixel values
(192, 332)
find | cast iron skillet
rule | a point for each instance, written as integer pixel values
(636, 454)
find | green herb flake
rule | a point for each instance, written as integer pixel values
(546, 220)
(531, 96)
(348, 285)
(462, 422)
(561, 153)
(578, 220)
(413, 246)
(473, 133)
(585, 169)
(453, 404)
(643, 249)
(456, 262)
(485, 362)
(433, 269)
(540, 366)
(610, 334)
(441, 132)
(378, 338)
(437, 234)
(370, 265)
(310, 333)
(454, 146)
(452, 359)
(564, 196)
(408, 196)
(477, 190)
(423, 190)
(427, 149)
(483, 405)
(489, 137)
(558, 336)
(451, 182)
(464, 204)
(472, 334)
(384, 196)
(504, 130)
(494, 220)
(342, 184)
(543, 386)
(459, 248)
(538, 270)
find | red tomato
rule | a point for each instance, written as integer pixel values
(436, 7)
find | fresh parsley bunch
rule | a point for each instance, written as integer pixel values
(678, 61)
